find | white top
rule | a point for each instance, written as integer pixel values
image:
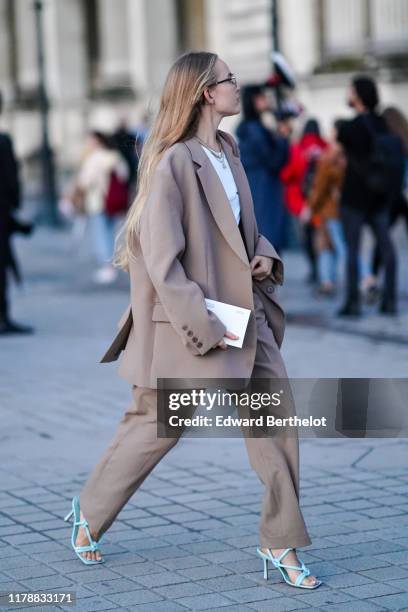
(228, 182)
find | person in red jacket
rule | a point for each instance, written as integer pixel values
(292, 176)
(297, 176)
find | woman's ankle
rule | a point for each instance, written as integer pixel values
(94, 534)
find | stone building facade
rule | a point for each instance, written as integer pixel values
(107, 59)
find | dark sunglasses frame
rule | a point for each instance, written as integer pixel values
(232, 79)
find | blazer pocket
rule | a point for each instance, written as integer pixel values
(159, 314)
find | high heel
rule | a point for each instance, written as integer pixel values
(276, 562)
(92, 546)
(266, 561)
(66, 519)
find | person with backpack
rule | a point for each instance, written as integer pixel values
(102, 181)
(373, 175)
(398, 124)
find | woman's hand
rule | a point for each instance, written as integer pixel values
(261, 267)
(222, 344)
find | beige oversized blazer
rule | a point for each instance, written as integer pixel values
(190, 247)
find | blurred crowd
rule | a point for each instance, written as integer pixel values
(311, 189)
(326, 189)
(102, 190)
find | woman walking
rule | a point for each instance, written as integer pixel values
(190, 233)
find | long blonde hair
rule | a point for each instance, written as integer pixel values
(177, 119)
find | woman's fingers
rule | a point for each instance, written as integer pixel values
(231, 336)
(256, 262)
(261, 267)
(222, 344)
(262, 271)
(260, 275)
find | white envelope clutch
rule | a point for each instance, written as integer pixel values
(234, 318)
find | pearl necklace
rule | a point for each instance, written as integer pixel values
(219, 155)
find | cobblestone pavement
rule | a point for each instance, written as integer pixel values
(187, 539)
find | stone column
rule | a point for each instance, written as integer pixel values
(27, 70)
(65, 50)
(389, 25)
(345, 26)
(5, 50)
(137, 37)
(299, 34)
(114, 32)
(217, 40)
(161, 41)
(240, 32)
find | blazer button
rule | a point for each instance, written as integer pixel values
(189, 333)
(194, 339)
(199, 344)
(270, 289)
(184, 327)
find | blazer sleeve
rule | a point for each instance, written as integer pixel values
(265, 248)
(162, 243)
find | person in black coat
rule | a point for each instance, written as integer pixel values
(398, 124)
(9, 202)
(360, 202)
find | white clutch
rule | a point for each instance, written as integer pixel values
(234, 318)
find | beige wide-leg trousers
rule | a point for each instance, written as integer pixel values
(135, 450)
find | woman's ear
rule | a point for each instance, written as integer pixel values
(208, 96)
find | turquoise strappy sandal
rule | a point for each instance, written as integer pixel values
(92, 546)
(276, 562)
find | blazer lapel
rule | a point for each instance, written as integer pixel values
(217, 198)
(245, 196)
